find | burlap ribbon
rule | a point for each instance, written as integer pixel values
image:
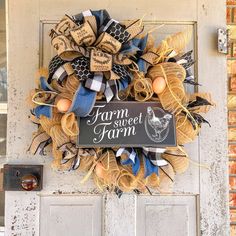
(101, 53)
(73, 39)
(40, 141)
(90, 45)
(95, 45)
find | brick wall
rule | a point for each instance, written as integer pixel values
(231, 62)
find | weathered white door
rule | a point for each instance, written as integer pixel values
(198, 205)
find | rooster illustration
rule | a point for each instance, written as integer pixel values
(157, 123)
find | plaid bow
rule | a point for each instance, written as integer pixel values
(150, 164)
(97, 83)
(100, 84)
(154, 154)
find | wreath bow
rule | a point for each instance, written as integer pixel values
(99, 51)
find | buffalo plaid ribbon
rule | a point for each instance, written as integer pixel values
(97, 83)
(60, 74)
(100, 84)
(111, 90)
(151, 159)
(154, 154)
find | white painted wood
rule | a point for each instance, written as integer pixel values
(185, 10)
(71, 215)
(166, 216)
(213, 141)
(22, 215)
(121, 217)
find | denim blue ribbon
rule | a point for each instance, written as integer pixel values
(137, 46)
(132, 159)
(45, 85)
(43, 110)
(149, 167)
(83, 102)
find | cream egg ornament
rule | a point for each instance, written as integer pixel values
(159, 85)
(99, 170)
(63, 104)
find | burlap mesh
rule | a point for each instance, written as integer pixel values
(166, 174)
(48, 123)
(69, 124)
(142, 89)
(177, 158)
(185, 131)
(170, 69)
(173, 97)
(201, 108)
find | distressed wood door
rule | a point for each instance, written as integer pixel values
(198, 204)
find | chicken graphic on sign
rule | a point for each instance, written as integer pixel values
(157, 124)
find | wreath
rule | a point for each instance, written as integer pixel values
(101, 59)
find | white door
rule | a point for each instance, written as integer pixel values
(64, 207)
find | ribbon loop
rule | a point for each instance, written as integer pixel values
(132, 159)
(64, 26)
(154, 155)
(149, 167)
(39, 142)
(108, 43)
(84, 35)
(83, 101)
(117, 31)
(70, 152)
(98, 83)
(134, 28)
(65, 48)
(100, 61)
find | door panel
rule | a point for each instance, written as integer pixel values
(167, 216)
(66, 215)
(185, 10)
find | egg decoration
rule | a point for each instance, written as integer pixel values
(63, 104)
(99, 170)
(159, 85)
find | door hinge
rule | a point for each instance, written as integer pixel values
(223, 41)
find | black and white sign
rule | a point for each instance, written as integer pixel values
(127, 124)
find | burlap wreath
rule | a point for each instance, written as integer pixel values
(99, 58)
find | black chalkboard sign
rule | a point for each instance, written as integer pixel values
(127, 124)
